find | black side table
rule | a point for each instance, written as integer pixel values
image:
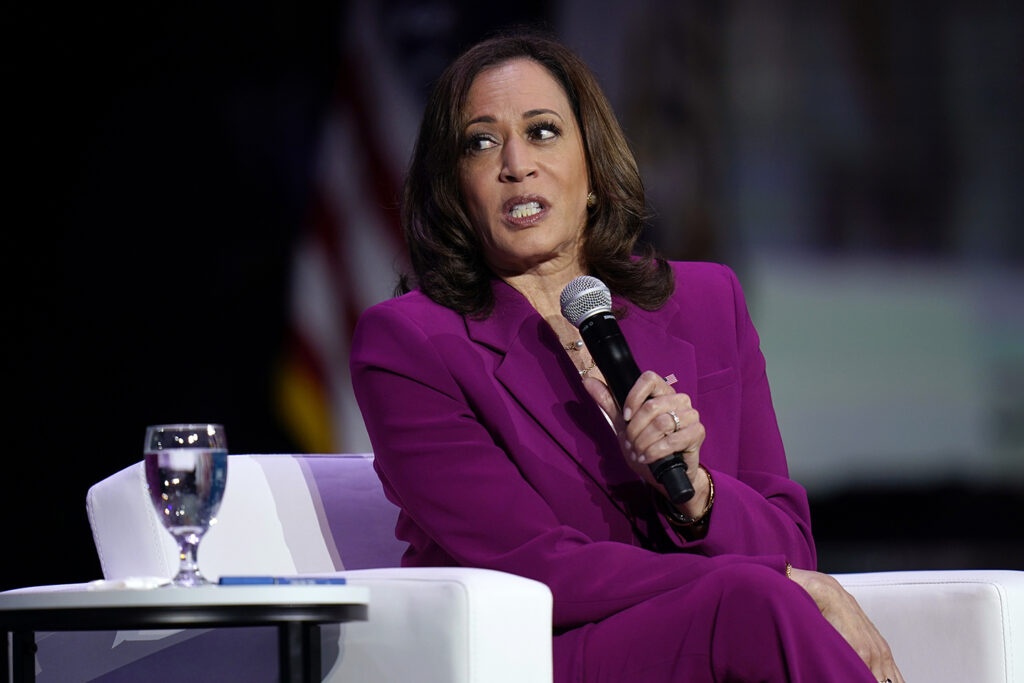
(296, 610)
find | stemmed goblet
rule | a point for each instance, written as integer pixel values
(186, 471)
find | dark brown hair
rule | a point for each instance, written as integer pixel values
(445, 250)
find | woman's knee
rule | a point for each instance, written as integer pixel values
(746, 590)
(747, 578)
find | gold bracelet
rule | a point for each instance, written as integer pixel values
(679, 520)
(789, 570)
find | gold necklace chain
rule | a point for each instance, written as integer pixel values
(576, 346)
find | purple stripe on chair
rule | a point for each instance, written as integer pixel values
(360, 519)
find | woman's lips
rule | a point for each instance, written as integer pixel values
(525, 210)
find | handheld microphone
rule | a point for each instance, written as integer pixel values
(587, 303)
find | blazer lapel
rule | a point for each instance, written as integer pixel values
(544, 381)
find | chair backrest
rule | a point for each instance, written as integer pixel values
(281, 514)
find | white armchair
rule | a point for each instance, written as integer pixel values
(314, 514)
(286, 515)
(948, 626)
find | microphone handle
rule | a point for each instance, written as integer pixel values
(608, 347)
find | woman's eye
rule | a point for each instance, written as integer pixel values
(544, 131)
(478, 143)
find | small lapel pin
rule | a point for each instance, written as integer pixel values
(671, 379)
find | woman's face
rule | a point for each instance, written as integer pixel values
(523, 172)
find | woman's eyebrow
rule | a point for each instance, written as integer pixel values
(529, 114)
(480, 119)
(537, 112)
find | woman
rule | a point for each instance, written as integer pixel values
(495, 434)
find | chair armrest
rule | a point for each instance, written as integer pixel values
(429, 625)
(948, 626)
(448, 625)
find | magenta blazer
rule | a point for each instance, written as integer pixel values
(498, 458)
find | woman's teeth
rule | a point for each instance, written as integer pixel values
(525, 210)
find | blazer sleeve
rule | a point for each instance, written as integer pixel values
(758, 509)
(462, 493)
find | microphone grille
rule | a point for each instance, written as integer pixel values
(583, 297)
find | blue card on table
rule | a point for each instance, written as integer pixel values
(281, 580)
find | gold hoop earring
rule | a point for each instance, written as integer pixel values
(591, 200)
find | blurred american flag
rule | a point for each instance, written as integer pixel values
(352, 251)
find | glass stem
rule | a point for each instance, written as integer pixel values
(188, 548)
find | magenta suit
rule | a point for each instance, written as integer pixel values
(486, 438)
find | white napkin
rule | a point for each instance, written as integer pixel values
(130, 582)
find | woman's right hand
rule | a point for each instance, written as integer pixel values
(651, 433)
(842, 611)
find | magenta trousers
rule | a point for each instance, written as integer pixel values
(737, 623)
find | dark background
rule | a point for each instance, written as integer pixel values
(159, 167)
(161, 162)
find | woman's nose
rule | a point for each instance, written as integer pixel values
(517, 162)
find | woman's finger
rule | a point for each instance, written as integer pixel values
(664, 419)
(648, 385)
(603, 397)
